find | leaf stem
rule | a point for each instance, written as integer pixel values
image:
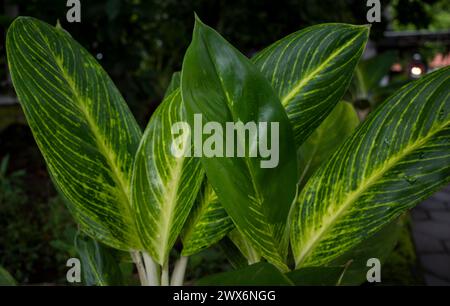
(152, 269)
(137, 259)
(179, 271)
(165, 274)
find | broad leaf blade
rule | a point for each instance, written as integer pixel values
(81, 124)
(311, 69)
(164, 186)
(397, 158)
(208, 223)
(222, 85)
(331, 133)
(260, 274)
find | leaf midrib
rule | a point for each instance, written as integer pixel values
(286, 99)
(168, 211)
(117, 175)
(252, 175)
(354, 195)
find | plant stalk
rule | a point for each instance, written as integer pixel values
(152, 269)
(179, 271)
(165, 274)
(137, 259)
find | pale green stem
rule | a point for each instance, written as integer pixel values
(179, 271)
(152, 269)
(165, 274)
(137, 259)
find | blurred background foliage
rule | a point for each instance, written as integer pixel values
(140, 44)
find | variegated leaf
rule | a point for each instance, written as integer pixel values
(397, 158)
(311, 69)
(208, 223)
(244, 246)
(82, 125)
(164, 186)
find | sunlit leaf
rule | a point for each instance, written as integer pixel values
(164, 186)
(311, 69)
(397, 158)
(82, 125)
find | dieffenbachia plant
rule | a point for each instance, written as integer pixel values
(335, 196)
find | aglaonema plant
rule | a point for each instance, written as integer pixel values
(334, 199)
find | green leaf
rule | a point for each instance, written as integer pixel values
(397, 158)
(174, 84)
(164, 187)
(260, 274)
(331, 133)
(224, 86)
(234, 256)
(82, 125)
(317, 276)
(6, 279)
(208, 222)
(99, 264)
(244, 246)
(311, 69)
(279, 72)
(379, 246)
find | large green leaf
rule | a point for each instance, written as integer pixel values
(99, 264)
(224, 86)
(260, 274)
(278, 68)
(208, 223)
(311, 69)
(331, 133)
(81, 124)
(398, 157)
(164, 186)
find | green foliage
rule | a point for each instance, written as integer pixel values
(366, 89)
(90, 158)
(100, 264)
(141, 194)
(164, 187)
(241, 183)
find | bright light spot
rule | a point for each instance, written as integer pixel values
(416, 71)
(99, 56)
